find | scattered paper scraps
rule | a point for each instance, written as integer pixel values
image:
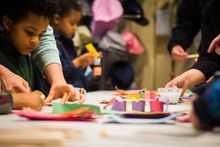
(81, 114)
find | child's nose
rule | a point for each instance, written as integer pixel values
(35, 41)
(75, 28)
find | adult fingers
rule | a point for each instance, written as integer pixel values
(66, 97)
(213, 44)
(50, 96)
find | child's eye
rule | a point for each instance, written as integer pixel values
(73, 23)
(30, 33)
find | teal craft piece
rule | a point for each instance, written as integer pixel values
(106, 111)
(58, 108)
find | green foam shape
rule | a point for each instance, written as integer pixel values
(58, 108)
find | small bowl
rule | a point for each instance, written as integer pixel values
(170, 94)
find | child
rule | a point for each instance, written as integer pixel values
(23, 22)
(65, 24)
(206, 108)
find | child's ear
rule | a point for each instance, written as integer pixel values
(7, 23)
(56, 19)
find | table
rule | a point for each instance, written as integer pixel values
(83, 134)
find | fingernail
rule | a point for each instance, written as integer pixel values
(42, 96)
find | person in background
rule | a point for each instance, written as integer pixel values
(19, 38)
(187, 27)
(208, 63)
(64, 24)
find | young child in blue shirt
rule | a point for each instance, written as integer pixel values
(64, 24)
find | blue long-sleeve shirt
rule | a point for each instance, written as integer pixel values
(72, 74)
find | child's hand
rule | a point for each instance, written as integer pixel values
(33, 100)
(85, 59)
(64, 91)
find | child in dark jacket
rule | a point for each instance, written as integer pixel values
(206, 108)
(65, 24)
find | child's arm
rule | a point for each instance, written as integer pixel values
(47, 59)
(33, 100)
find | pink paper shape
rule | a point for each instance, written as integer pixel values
(156, 106)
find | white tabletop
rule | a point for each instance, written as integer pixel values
(100, 134)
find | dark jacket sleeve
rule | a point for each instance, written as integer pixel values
(187, 25)
(209, 63)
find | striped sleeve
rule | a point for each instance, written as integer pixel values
(5, 103)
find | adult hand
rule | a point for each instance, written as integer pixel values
(180, 82)
(178, 53)
(11, 82)
(187, 79)
(215, 45)
(64, 91)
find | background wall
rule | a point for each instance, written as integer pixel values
(153, 67)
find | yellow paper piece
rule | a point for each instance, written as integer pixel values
(134, 96)
(91, 49)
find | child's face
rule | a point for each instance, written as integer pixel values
(68, 24)
(25, 35)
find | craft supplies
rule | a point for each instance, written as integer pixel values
(58, 108)
(90, 47)
(156, 106)
(81, 114)
(170, 94)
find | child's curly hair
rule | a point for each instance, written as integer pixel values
(19, 9)
(64, 6)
